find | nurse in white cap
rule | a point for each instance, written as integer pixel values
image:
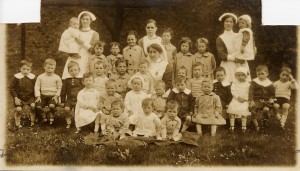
(87, 38)
(225, 48)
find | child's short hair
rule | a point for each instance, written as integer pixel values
(151, 21)
(145, 61)
(26, 62)
(171, 105)
(180, 79)
(72, 64)
(221, 69)
(207, 80)
(202, 40)
(99, 63)
(148, 101)
(87, 75)
(262, 68)
(121, 61)
(186, 40)
(110, 82)
(168, 30)
(49, 61)
(114, 44)
(118, 102)
(132, 32)
(160, 83)
(156, 47)
(183, 68)
(198, 64)
(286, 69)
(99, 43)
(72, 20)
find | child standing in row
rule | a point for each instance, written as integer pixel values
(208, 109)
(238, 107)
(22, 90)
(47, 89)
(261, 96)
(171, 50)
(147, 123)
(205, 57)
(184, 57)
(148, 86)
(185, 100)
(133, 53)
(97, 56)
(86, 110)
(70, 88)
(283, 88)
(121, 77)
(196, 81)
(115, 49)
(222, 89)
(99, 77)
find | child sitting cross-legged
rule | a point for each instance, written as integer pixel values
(171, 123)
(116, 125)
(147, 123)
(208, 109)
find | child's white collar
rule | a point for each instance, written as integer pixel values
(186, 91)
(20, 75)
(224, 82)
(264, 83)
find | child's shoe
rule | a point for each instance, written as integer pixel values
(282, 125)
(68, 126)
(78, 130)
(20, 126)
(231, 129)
(32, 124)
(45, 120)
(51, 121)
(243, 129)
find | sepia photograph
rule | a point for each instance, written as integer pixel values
(150, 83)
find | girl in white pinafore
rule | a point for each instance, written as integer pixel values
(86, 110)
(87, 38)
(238, 107)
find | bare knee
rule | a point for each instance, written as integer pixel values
(286, 106)
(67, 109)
(51, 106)
(19, 109)
(276, 106)
(265, 109)
(32, 106)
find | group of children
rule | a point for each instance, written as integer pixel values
(121, 97)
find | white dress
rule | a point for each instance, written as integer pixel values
(249, 52)
(86, 37)
(133, 102)
(86, 97)
(146, 125)
(239, 89)
(67, 42)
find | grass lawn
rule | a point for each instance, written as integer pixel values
(45, 145)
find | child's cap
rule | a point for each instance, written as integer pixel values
(242, 70)
(226, 15)
(93, 17)
(133, 77)
(247, 18)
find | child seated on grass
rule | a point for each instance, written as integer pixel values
(208, 109)
(171, 123)
(147, 123)
(283, 88)
(22, 90)
(185, 100)
(71, 87)
(86, 110)
(47, 90)
(116, 125)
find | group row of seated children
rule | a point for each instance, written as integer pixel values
(149, 111)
